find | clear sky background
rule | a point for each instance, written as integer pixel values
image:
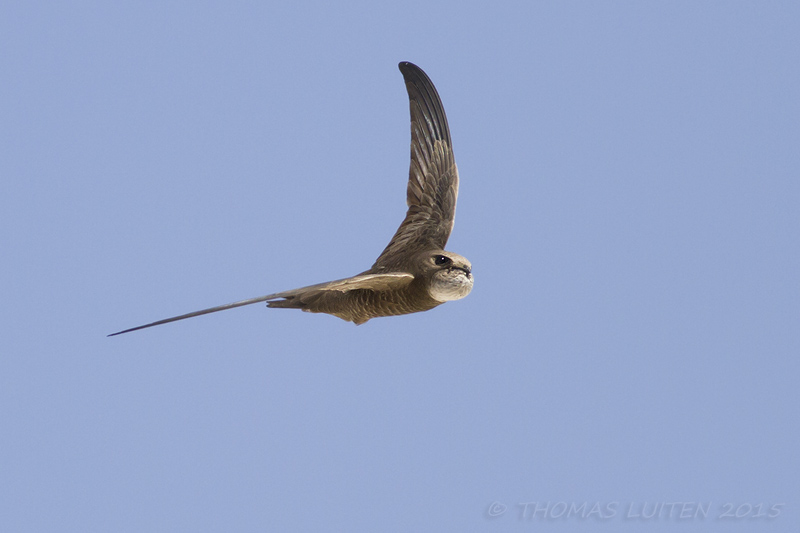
(630, 185)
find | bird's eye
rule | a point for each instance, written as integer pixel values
(441, 260)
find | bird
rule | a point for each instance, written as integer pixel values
(414, 272)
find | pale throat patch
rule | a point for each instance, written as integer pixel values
(450, 285)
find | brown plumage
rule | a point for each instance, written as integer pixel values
(413, 273)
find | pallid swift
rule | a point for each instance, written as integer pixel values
(414, 273)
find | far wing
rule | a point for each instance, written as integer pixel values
(433, 177)
(374, 282)
(377, 282)
(203, 312)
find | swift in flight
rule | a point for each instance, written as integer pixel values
(414, 273)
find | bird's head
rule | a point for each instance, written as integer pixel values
(449, 275)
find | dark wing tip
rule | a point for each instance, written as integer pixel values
(413, 74)
(430, 114)
(126, 331)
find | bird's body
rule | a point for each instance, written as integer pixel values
(414, 273)
(419, 287)
(360, 305)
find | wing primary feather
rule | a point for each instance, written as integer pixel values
(203, 312)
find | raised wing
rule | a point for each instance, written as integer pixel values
(433, 177)
(376, 282)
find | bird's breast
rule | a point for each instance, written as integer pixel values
(449, 285)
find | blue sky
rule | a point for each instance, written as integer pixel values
(629, 202)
